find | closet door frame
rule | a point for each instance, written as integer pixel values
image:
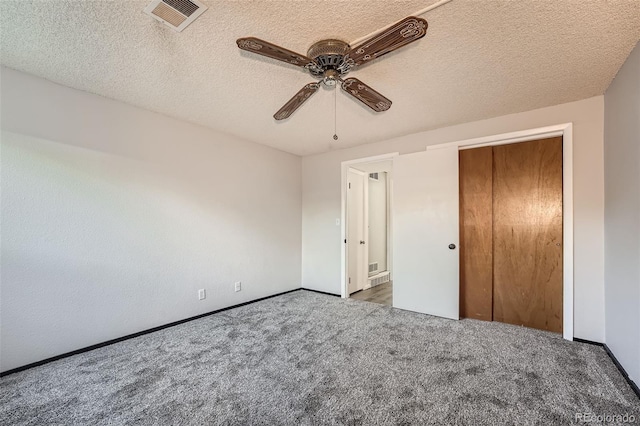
(566, 131)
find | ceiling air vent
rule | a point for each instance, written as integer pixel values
(176, 14)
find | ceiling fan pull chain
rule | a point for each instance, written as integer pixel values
(335, 114)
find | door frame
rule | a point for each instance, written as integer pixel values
(566, 131)
(344, 290)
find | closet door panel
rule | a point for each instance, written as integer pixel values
(476, 240)
(527, 234)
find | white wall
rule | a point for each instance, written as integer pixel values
(377, 239)
(622, 215)
(321, 200)
(113, 217)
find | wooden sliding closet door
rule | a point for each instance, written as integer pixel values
(511, 234)
(527, 234)
(476, 240)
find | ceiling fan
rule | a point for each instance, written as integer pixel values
(329, 60)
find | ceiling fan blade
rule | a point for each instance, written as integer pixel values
(297, 100)
(404, 32)
(366, 94)
(264, 48)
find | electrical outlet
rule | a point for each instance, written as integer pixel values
(238, 286)
(202, 294)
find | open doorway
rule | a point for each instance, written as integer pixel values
(367, 254)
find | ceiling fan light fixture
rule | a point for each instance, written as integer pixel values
(331, 77)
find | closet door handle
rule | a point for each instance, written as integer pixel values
(361, 242)
(452, 246)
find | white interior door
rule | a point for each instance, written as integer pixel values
(425, 223)
(356, 276)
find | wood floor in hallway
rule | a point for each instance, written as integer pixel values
(381, 294)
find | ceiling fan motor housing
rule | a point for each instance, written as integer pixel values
(329, 55)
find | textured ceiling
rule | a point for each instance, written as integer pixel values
(480, 59)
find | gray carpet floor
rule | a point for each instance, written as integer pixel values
(306, 358)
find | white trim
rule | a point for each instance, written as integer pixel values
(364, 266)
(378, 275)
(505, 138)
(344, 292)
(567, 232)
(389, 235)
(566, 131)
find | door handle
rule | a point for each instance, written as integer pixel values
(361, 242)
(452, 246)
